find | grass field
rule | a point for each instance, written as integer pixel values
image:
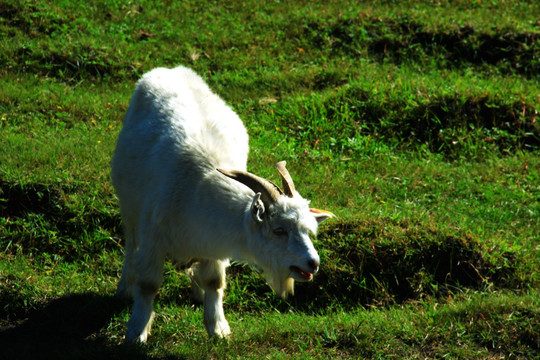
(415, 122)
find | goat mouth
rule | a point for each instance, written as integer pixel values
(299, 274)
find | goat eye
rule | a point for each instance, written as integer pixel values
(280, 231)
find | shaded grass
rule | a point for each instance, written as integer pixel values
(66, 328)
(55, 221)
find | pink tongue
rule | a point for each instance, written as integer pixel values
(306, 275)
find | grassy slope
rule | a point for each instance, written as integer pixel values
(415, 124)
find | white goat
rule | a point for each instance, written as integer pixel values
(177, 199)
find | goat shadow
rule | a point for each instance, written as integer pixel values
(67, 328)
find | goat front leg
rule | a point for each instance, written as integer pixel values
(149, 277)
(211, 277)
(214, 318)
(127, 280)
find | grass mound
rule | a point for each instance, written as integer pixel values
(366, 263)
(385, 261)
(455, 125)
(404, 39)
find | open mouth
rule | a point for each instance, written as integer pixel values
(299, 274)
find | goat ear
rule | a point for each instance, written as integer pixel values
(257, 208)
(321, 215)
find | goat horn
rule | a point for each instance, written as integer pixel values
(288, 184)
(270, 192)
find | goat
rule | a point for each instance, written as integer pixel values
(179, 172)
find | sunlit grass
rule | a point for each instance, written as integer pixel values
(415, 124)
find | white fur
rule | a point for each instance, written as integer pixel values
(175, 203)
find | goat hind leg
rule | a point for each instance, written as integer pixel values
(197, 292)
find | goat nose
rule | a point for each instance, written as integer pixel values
(314, 265)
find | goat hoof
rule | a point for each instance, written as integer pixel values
(221, 330)
(132, 338)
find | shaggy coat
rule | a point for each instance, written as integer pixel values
(179, 171)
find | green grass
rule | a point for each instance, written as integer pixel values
(415, 122)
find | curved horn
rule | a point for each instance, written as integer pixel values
(269, 191)
(288, 184)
